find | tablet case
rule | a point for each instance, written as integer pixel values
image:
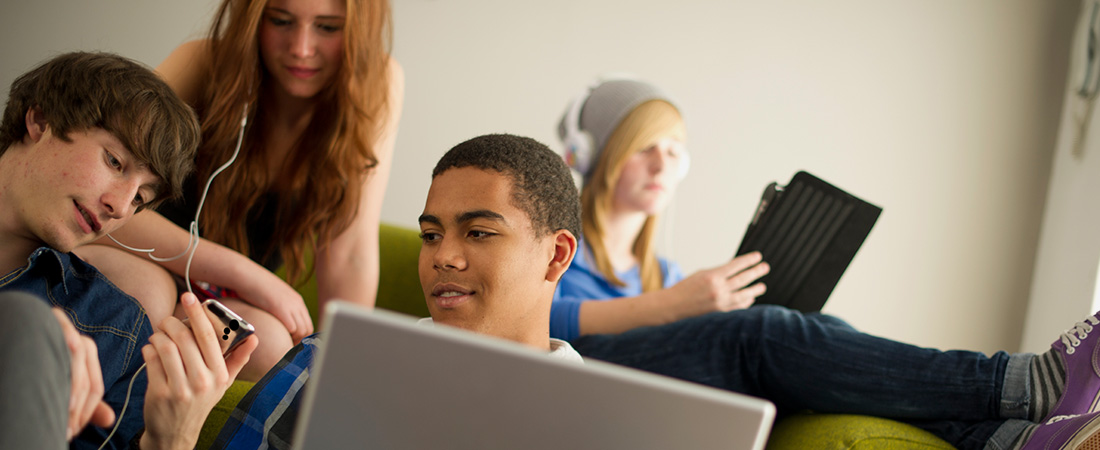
(808, 232)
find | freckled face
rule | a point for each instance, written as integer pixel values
(72, 193)
(301, 44)
(481, 266)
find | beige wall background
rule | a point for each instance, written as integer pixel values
(1065, 280)
(943, 112)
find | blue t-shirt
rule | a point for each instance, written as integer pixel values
(583, 282)
(114, 320)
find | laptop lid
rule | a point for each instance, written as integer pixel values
(383, 381)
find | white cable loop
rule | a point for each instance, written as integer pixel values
(193, 231)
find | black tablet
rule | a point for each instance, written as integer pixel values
(808, 231)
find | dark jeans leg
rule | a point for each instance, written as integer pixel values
(812, 362)
(34, 379)
(964, 435)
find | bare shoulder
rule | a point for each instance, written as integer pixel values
(396, 88)
(395, 74)
(184, 67)
(395, 98)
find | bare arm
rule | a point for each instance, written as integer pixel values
(218, 265)
(348, 268)
(723, 288)
(183, 70)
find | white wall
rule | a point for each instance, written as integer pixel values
(145, 30)
(944, 112)
(1065, 287)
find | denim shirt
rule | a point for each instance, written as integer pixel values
(113, 319)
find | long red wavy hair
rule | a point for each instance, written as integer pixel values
(319, 187)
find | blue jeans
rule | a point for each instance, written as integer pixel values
(114, 320)
(820, 363)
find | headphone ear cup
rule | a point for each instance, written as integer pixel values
(578, 143)
(578, 147)
(685, 165)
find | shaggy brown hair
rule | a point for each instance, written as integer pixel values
(80, 91)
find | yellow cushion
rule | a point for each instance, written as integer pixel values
(843, 431)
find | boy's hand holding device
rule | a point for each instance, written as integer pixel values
(187, 372)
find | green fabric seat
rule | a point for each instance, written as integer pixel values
(844, 431)
(399, 290)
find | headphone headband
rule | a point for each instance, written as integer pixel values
(587, 125)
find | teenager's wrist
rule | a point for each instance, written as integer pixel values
(661, 307)
(145, 441)
(247, 277)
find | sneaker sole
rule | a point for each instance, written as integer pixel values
(1085, 441)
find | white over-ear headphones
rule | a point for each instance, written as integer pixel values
(581, 152)
(578, 143)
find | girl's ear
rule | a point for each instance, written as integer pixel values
(36, 123)
(565, 247)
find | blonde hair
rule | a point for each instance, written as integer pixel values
(321, 181)
(647, 123)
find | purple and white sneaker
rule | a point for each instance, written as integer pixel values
(1074, 432)
(1080, 350)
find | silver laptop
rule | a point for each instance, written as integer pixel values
(382, 381)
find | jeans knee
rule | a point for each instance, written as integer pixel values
(745, 326)
(763, 321)
(773, 314)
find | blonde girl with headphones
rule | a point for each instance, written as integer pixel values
(626, 138)
(618, 302)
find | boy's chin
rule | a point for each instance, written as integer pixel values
(452, 318)
(63, 244)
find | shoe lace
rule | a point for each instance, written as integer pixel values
(1073, 336)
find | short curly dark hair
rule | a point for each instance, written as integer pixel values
(83, 90)
(542, 184)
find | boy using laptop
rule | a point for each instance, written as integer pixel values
(499, 229)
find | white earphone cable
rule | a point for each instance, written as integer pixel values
(192, 245)
(193, 231)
